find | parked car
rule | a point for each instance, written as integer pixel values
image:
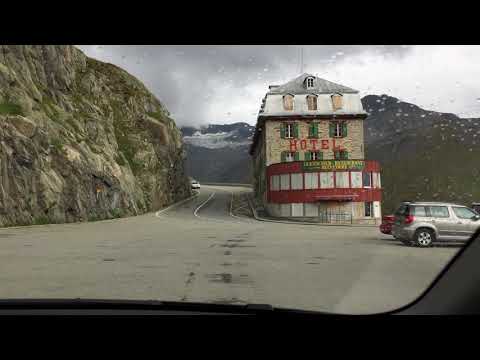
(423, 223)
(476, 207)
(386, 225)
(195, 184)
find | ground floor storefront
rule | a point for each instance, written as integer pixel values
(329, 212)
(325, 191)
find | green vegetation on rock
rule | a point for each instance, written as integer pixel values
(8, 108)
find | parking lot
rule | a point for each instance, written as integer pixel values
(204, 250)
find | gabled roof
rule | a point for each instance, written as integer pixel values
(320, 86)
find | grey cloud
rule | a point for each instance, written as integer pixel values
(187, 79)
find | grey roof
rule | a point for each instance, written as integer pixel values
(321, 86)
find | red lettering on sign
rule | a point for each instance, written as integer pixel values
(325, 144)
(303, 144)
(293, 145)
(314, 144)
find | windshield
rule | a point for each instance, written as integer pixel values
(236, 174)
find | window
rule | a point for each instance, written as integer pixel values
(312, 102)
(336, 102)
(313, 130)
(402, 210)
(297, 181)
(340, 155)
(338, 129)
(311, 180)
(356, 177)
(368, 209)
(439, 211)
(289, 130)
(463, 213)
(275, 182)
(285, 182)
(313, 155)
(288, 102)
(367, 179)
(309, 83)
(376, 180)
(326, 180)
(419, 211)
(288, 156)
(341, 179)
(297, 209)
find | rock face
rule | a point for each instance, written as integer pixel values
(81, 140)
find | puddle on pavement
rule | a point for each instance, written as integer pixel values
(236, 246)
(108, 259)
(228, 252)
(231, 301)
(228, 278)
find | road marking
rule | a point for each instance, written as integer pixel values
(202, 204)
(157, 214)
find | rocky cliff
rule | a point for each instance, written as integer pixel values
(81, 140)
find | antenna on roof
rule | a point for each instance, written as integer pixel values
(301, 60)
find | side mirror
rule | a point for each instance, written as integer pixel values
(476, 217)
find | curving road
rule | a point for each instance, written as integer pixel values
(200, 251)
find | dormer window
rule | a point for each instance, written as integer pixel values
(310, 83)
(337, 101)
(288, 102)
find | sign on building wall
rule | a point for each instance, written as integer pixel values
(333, 165)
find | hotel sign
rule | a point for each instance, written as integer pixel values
(319, 165)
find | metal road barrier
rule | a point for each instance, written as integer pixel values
(225, 184)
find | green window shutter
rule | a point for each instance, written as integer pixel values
(295, 130)
(297, 156)
(310, 130)
(315, 130)
(282, 130)
(319, 155)
(345, 155)
(308, 156)
(344, 130)
(336, 155)
(331, 129)
(283, 156)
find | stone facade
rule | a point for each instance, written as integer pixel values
(353, 142)
(334, 187)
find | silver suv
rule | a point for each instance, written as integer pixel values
(422, 223)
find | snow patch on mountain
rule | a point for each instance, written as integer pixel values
(217, 140)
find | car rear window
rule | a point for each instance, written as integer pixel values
(402, 210)
(418, 211)
(439, 211)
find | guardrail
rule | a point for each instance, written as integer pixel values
(225, 184)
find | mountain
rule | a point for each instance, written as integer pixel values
(81, 140)
(219, 153)
(424, 155)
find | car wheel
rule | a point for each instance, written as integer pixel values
(424, 237)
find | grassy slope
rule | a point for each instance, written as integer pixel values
(429, 166)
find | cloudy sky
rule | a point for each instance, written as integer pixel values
(225, 84)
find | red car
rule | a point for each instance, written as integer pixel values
(386, 225)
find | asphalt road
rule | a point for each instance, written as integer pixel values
(199, 251)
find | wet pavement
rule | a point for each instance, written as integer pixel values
(201, 251)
